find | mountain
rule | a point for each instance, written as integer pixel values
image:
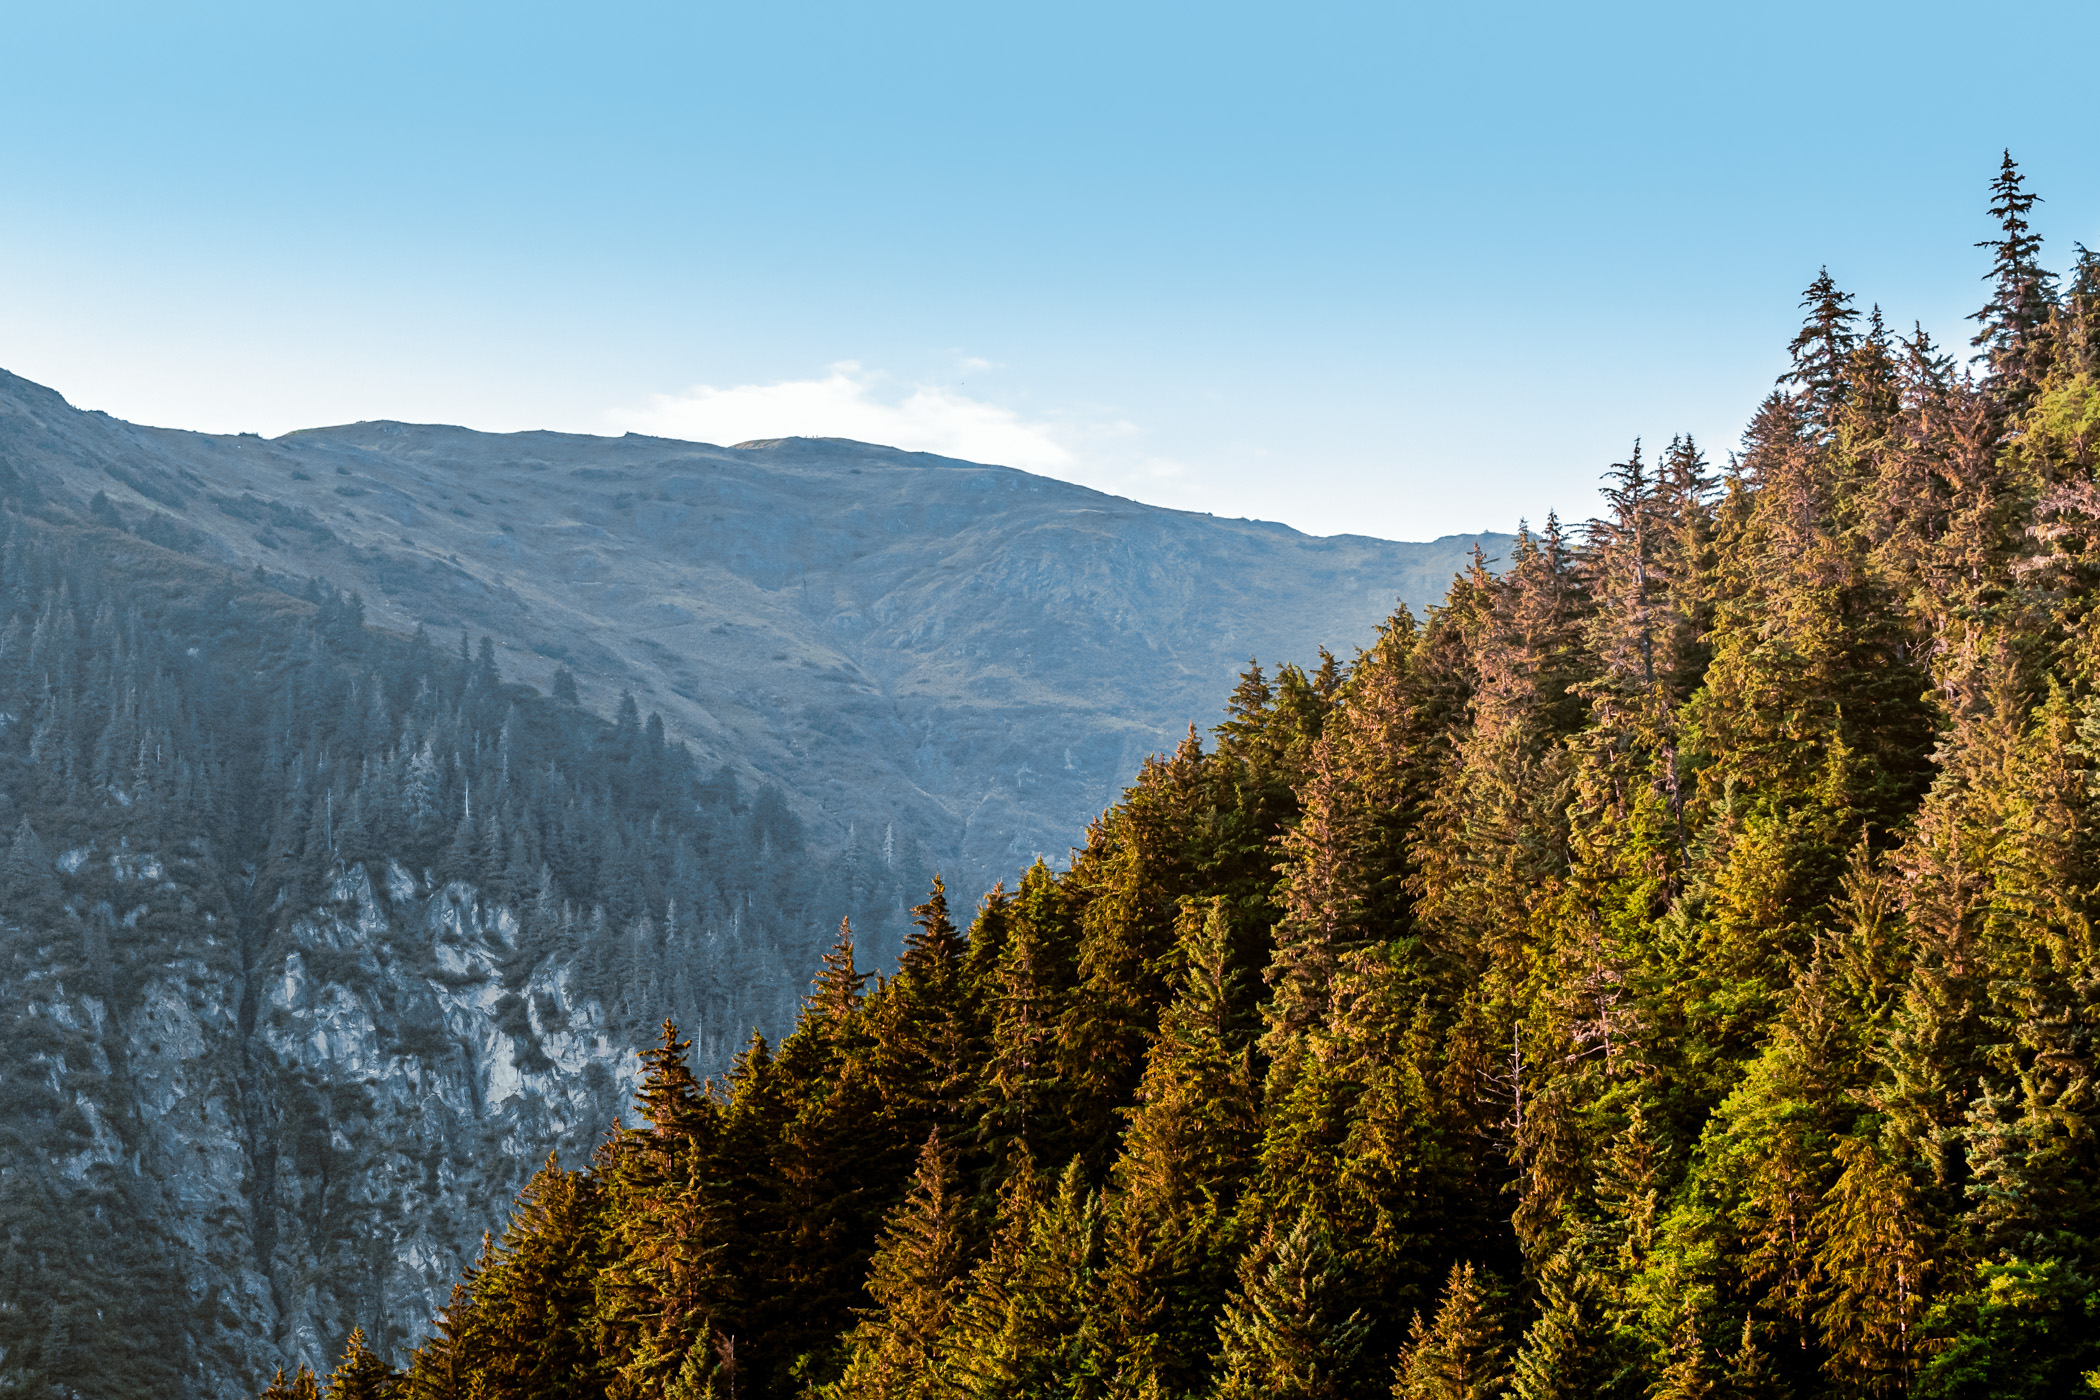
(319, 932)
(964, 661)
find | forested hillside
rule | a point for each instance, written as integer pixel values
(314, 939)
(1665, 970)
(320, 929)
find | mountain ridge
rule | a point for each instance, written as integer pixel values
(970, 655)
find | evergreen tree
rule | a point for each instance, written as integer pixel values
(1571, 1352)
(301, 1385)
(1029, 1326)
(360, 1375)
(2011, 325)
(914, 1282)
(1822, 350)
(1283, 1335)
(1463, 1354)
(1687, 923)
(1185, 1157)
(1876, 1263)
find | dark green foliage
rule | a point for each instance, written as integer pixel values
(2024, 1330)
(1283, 1332)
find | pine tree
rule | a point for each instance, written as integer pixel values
(839, 987)
(1570, 1352)
(2031, 1151)
(821, 1176)
(924, 1052)
(1751, 1373)
(1691, 919)
(1026, 999)
(1876, 1266)
(1464, 1353)
(2011, 325)
(1283, 1335)
(1185, 1156)
(670, 1279)
(2023, 1331)
(1324, 896)
(360, 1375)
(1689, 1371)
(1030, 1323)
(914, 1284)
(301, 1385)
(1822, 350)
(1141, 858)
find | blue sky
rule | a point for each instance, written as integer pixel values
(1395, 269)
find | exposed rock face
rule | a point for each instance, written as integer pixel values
(317, 1139)
(424, 1135)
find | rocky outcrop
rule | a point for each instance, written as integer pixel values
(315, 1125)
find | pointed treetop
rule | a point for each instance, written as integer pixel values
(840, 986)
(1327, 680)
(669, 1097)
(361, 1375)
(1247, 712)
(1870, 374)
(1251, 697)
(1465, 1351)
(2022, 293)
(933, 945)
(1628, 489)
(1283, 1332)
(299, 1386)
(1822, 348)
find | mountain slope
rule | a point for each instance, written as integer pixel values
(963, 663)
(316, 937)
(313, 942)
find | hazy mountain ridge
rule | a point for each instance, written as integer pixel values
(911, 646)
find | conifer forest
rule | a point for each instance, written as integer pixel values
(1666, 969)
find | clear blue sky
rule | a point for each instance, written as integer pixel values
(1401, 269)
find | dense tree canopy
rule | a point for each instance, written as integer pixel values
(1667, 969)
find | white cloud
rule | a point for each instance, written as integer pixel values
(851, 403)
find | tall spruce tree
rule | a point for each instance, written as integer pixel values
(914, 1283)
(1283, 1334)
